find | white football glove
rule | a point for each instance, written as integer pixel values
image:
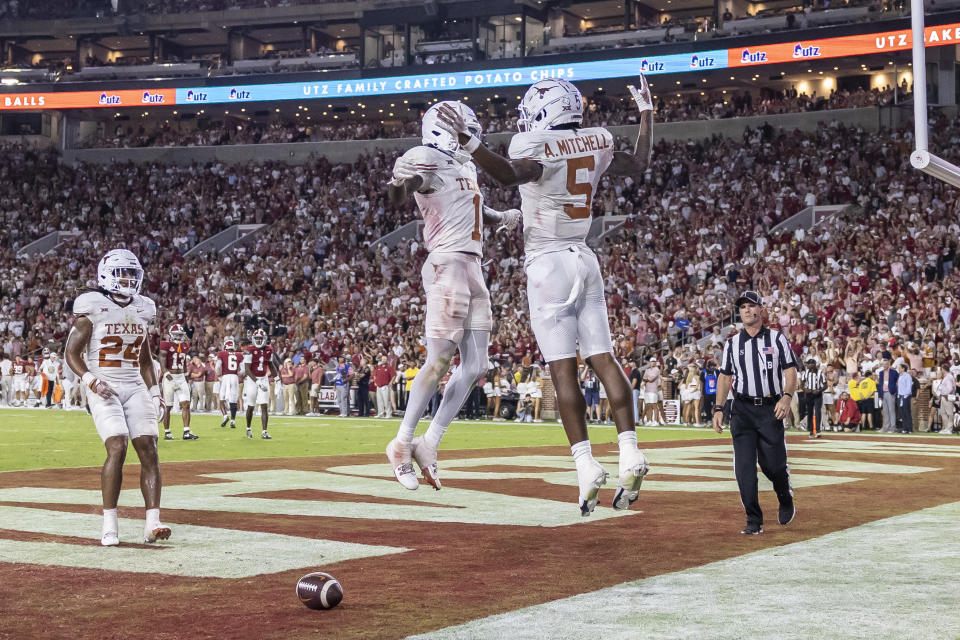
(403, 169)
(158, 405)
(641, 95)
(511, 218)
(264, 385)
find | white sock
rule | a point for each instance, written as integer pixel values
(582, 453)
(434, 434)
(153, 517)
(627, 440)
(110, 522)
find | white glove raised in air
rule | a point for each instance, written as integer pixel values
(511, 218)
(403, 169)
(641, 95)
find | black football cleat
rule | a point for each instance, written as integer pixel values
(786, 513)
(189, 435)
(223, 423)
(168, 436)
(752, 530)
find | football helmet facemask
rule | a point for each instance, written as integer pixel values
(259, 338)
(177, 334)
(434, 136)
(120, 272)
(549, 103)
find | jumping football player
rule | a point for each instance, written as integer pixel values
(173, 363)
(109, 349)
(257, 364)
(557, 164)
(443, 181)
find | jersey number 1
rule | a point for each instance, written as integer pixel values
(476, 219)
(575, 188)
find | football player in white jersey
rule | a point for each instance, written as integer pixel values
(109, 349)
(558, 163)
(443, 181)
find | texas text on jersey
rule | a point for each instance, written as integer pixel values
(449, 200)
(175, 355)
(118, 333)
(259, 359)
(556, 208)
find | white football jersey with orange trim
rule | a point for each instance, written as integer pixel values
(119, 332)
(452, 207)
(556, 208)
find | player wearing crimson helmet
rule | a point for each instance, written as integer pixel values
(229, 362)
(258, 369)
(174, 354)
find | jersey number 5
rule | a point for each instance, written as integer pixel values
(575, 188)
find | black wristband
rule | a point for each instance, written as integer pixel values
(787, 394)
(718, 408)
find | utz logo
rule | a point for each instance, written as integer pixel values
(700, 62)
(151, 98)
(196, 96)
(106, 98)
(753, 56)
(800, 51)
(651, 65)
(239, 94)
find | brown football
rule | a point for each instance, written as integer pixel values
(319, 590)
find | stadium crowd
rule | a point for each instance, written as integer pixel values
(603, 110)
(697, 230)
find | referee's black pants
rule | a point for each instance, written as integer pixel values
(813, 403)
(759, 437)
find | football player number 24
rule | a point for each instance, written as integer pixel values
(575, 188)
(111, 346)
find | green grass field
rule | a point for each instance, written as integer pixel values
(41, 439)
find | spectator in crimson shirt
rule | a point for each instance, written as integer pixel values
(383, 374)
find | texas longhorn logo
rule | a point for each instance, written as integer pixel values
(543, 90)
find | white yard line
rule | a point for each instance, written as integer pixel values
(894, 578)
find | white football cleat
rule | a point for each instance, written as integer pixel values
(156, 532)
(426, 457)
(109, 539)
(590, 479)
(400, 459)
(633, 467)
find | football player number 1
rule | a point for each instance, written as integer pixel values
(476, 219)
(575, 188)
(112, 346)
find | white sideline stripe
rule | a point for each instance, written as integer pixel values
(194, 551)
(894, 578)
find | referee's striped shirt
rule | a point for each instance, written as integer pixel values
(813, 381)
(757, 364)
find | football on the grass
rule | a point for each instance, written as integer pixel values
(319, 590)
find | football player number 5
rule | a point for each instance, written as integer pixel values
(111, 346)
(575, 188)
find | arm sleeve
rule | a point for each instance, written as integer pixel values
(726, 360)
(427, 164)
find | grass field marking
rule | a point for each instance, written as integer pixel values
(196, 551)
(453, 505)
(863, 582)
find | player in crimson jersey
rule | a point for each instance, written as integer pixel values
(229, 361)
(258, 367)
(173, 363)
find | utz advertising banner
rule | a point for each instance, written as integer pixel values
(88, 99)
(858, 45)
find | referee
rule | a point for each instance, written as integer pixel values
(762, 371)
(813, 382)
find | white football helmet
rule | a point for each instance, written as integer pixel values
(120, 272)
(177, 334)
(259, 338)
(434, 136)
(229, 344)
(549, 103)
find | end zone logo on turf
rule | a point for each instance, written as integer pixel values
(800, 51)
